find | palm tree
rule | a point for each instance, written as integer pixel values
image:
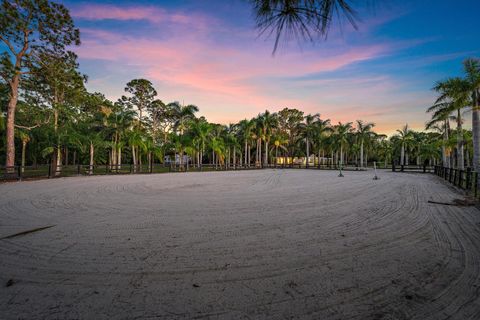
(322, 128)
(245, 131)
(280, 140)
(472, 72)
(405, 137)
(217, 144)
(201, 130)
(364, 132)
(121, 120)
(429, 151)
(230, 142)
(454, 96)
(342, 131)
(25, 138)
(135, 141)
(441, 122)
(468, 141)
(257, 135)
(267, 123)
(182, 114)
(308, 130)
(385, 150)
(289, 123)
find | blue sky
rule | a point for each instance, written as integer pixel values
(208, 53)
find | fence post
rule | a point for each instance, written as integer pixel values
(78, 169)
(49, 170)
(475, 177)
(468, 178)
(20, 173)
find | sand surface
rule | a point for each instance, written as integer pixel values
(267, 244)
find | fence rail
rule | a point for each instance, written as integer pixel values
(464, 179)
(413, 168)
(49, 171)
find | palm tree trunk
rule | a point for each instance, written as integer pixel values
(341, 155)
(149, 159)
(461, 161)
(201, 155)
(307, 162)
(361, 154)
(446, 162)
(181, 159)
(119, 158)
(113, 157)
(402, 155)
(234, 157)
(266, 153)
(259, 152)
(24, 147)
(139, 159)
(91, 157)
(246, 153)
(276, 156)
(476, 134)
(134, 159)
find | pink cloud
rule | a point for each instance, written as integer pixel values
(233, 80)
(103, 12)
(152, 14)
(194, 63)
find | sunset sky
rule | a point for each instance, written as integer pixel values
(208, 53)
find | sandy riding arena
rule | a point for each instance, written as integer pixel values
(267, 244)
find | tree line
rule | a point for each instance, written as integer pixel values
(48, 116)
(140, 129)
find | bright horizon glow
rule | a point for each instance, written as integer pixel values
(209, 54)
